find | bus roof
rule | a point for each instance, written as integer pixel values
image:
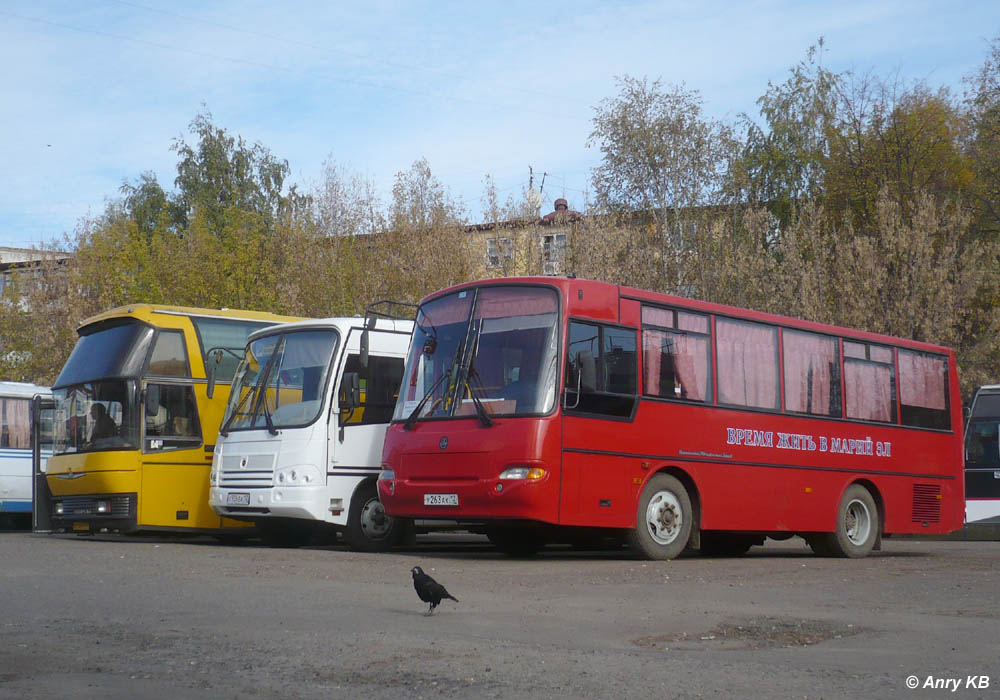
(564, 284)
(145, 312)
(23, 389)
(341, 323)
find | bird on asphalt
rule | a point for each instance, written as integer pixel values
(429, 590)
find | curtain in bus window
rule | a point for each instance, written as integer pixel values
(453, 308)
(922, 391)
(16, 423)
(921, 380)
(811, 374)
(503, 302)
(869, 390)
(675, 365)
(748, 364)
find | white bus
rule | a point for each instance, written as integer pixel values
(982, 458)
(300, 446)
(15, 446)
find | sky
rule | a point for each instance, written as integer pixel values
(95, 93)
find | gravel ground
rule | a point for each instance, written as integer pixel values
(166, 618)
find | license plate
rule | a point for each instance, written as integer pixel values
(80, 526)
(440, 499)
(238, 499)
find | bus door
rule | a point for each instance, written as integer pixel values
(599, 403)
(42, 409)
(175, 465)
(366, 397)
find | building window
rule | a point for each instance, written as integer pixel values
(499, 251)
(553, 253)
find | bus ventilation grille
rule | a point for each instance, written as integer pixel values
(926, 503)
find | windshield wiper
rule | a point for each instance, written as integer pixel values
(415, 413)
(412, 418)
(224, 432)
(481, 412)
(261, 391)
(267, 415)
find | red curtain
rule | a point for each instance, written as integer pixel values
(683, 356)
(499, 302)
(921, 380)
(748, 364)
(808, 381)
(869, 390)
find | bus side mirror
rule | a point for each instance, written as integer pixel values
(350, 391)
(588, 371)
(152, 399)
(217, 356)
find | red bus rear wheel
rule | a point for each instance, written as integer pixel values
(857, 526)
(663, 520)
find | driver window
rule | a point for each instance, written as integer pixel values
(175, 423)
(380, 382)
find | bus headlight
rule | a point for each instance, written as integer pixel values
(103, 507)
(58, 508)
(523, 473)
(301, 475)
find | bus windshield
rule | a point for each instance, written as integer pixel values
(96, 416)
(491, 349)
(280, 381)
(982, 437)
(111, 349)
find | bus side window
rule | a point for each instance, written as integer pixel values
(601, 370)
(175, 423)
(380, 382)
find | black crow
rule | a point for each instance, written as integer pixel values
(429, 590)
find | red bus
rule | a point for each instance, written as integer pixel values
(550, 408)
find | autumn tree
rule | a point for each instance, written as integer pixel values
(897, 140)
(982, 107)
(221, 171)
(783, 160)
(661, 161)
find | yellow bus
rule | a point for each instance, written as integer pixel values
(137, 412)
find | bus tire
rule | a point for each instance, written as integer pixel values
(857, 526)
(663, 520)
(369, 529)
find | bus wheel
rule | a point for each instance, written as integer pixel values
(369, 529)
(857, 526)
(663, 521)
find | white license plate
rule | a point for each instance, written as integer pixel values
(238, 499)
(440, 499)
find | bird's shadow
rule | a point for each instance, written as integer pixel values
(413, 613)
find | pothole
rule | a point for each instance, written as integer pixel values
(753, 633)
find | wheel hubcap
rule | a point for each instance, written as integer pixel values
(858, 522)
(374, 522)
(664, 519)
